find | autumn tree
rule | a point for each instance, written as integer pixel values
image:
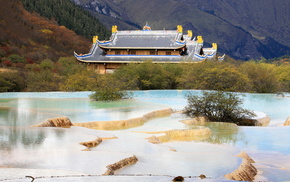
(11, 81)
(149, 75)
(80, 81)
(43, 81)
(283, 75)
(263, 77)
(214, 76)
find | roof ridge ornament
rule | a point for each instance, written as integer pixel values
(147, 27)
(114, 28)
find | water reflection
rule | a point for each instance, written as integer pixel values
(16, 137)
(223, 133)
(58, 148)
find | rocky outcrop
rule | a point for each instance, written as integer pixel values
(263, 121)
(178, 178)
(120, 164)
(56, 122)
(246, 171)
(91, 144)
(287, 122)
(125, 124)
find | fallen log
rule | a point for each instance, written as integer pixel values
(120, 164)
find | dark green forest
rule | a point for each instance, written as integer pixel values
(67, 14)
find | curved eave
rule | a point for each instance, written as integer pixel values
(221, 58)
(81, 56)
(198, 56)
(104, 42)
(129, 61)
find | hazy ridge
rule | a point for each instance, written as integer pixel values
(243, 29)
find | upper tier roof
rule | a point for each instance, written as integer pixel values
(161, 39)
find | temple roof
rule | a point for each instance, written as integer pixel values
(161, 39)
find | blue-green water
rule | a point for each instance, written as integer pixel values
(57, 148)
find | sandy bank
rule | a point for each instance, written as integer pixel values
(260, 120)
(180, 135)
(196, 121)
(125, 124)
(287, 122)
(246, 171)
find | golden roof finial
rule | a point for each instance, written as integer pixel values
(147, 27)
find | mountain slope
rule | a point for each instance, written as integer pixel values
(34, 37)
(243, 29)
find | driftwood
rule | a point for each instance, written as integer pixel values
(91, 144)
(120, 164)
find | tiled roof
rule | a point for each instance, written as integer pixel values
(161, 39)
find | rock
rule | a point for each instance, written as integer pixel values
(178, 178)
(56, 122)
(261, 120)
(202, 176)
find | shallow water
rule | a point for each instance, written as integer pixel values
(57, 149)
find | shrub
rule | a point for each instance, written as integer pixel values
(109, 89)
(16, 58)
(7, 63)
(217, 106)
(110, 95)
(47, 64)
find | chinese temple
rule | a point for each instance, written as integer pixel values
(159, 46)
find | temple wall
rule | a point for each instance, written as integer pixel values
(172, 52)
(103, 68)
(143, 52)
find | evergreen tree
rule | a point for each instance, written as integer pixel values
(67, 14)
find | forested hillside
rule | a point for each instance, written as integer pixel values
(34, 49)
(243, 29)
(67, 14)
(34, 38)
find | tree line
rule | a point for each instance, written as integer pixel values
(66, 74)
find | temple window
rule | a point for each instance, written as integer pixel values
(168, 52)
(117, 52)
(133, 52)
(152, 52)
